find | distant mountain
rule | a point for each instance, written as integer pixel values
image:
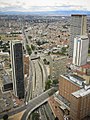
(46, 12)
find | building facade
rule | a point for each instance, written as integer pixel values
(68, 85)
(80, 50)
(80, 105)
(17, 69)
(78, 27)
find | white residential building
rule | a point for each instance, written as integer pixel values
(80, 51)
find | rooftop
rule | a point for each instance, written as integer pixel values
(83, 37)
(6, 79)
(86, 66)
(80, 72)
(74, 79)
(78, 15)
(82, 92)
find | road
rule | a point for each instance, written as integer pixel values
(39, 77)
(36, 102)
(37, 84)
(42, 113)
(45, 112)
(32, 104)
(49, 112)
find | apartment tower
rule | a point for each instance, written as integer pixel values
(80, 51)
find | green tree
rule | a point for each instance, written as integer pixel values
(0, 37)
(29, 37)
(63, 50)
(1, 42)
(29, 49)
(39, 43)
(47, 84)
(44, 60)
(55, 82)
(5, 117)
(35, 116)
(33, 47)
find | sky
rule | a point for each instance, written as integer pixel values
(44, 5)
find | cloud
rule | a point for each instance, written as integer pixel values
(29, 6)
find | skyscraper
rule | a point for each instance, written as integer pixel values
(78, 27)
(80, 51)
(17, 69)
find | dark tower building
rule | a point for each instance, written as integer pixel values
(17, 69)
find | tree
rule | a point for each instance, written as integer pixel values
(5, 117)
(29, 37)
(35, 52)
(47, 84)
(39, 43)
(35, 116)
(63, 50)
(49, 53)
(33, 47)
(48, 63)
(29, 49)
(1, 42)
(44, 60)
(55, 82)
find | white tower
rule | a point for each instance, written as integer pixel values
(80, 51)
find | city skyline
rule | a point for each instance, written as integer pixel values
(45, 60)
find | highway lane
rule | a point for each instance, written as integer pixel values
(42, 113)
(29, 86)
(44, 74)
(49, 112)
(34, 75)
(39, 77)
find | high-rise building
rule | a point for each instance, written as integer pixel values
(80, 50)
(17, 69)
(78, 27)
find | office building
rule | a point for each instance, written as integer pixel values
(80, 50)
(72, 101)
(60, 103)
(78, 27)
(80, 105)
(69, 84)
(17, 69)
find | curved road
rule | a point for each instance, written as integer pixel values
(33, 104)
(36, 102)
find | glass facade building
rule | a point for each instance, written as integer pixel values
(17, 69)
